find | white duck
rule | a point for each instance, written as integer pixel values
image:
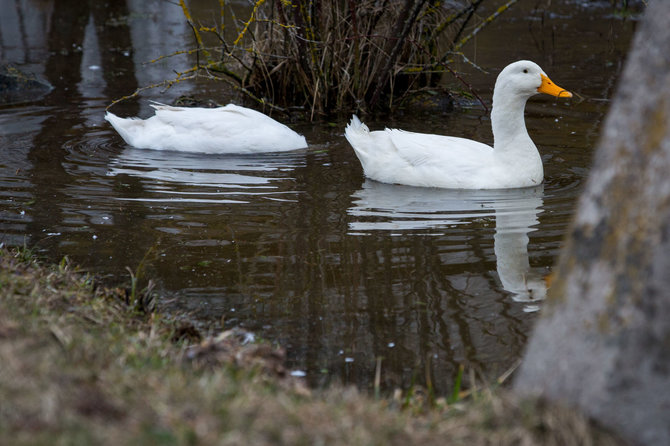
(229, 129)
(419, 159)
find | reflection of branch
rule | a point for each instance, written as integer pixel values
(402, 29)
(470, 11)
(193, 73)
(196, 33)
(302, 53)
(232, 79)
(469, 62)
(439, 29)
(166, 56)
(248, 22)
(166, 83)
(482, 25)
(441, 63)
(453, 73)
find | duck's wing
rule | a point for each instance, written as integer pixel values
(436, 160)
(229, 129)
(206, 120)
(228, 121)
(421, 149)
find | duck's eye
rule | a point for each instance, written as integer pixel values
(525, 70)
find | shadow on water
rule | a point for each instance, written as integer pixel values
(299, 246)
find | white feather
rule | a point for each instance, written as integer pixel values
(419, 159)
(229, 129)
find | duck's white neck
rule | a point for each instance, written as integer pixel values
(508, 123)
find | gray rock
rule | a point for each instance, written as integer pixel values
(603, 343)
(17, 86)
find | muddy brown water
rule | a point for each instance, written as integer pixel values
(298, 247)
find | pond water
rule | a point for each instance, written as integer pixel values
(299, 247)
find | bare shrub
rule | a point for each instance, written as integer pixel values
(329, 56)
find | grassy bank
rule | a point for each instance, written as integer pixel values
(80, 364)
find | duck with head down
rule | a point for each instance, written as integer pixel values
(221, 130)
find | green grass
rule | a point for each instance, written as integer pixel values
(79, 364)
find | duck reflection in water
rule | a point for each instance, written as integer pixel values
(446, 212)
(175, 169)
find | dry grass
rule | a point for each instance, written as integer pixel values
(78, 365)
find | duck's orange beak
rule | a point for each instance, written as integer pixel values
(549, 279)
(551, 88)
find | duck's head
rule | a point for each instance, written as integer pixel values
(525, 78)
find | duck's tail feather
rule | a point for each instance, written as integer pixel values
(126, 127)
(356, 133)
(355, 125)
(358, 136)
(160, 106)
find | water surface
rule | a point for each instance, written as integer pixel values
(298, 246)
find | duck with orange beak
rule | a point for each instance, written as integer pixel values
(428, 160)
